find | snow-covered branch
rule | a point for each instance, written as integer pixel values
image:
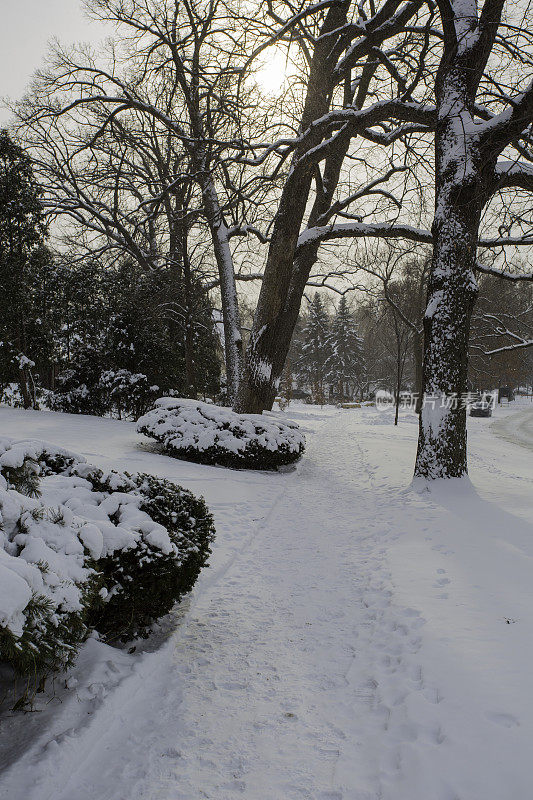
(244, 230)
(519, 342)
(384, 230)
(508, 276)
(510, 124)
(510, 174)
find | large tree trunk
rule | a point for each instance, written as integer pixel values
(451, 297)
(452, 291)
(278, 305)
(285, 275)
(418, 358)
(465, 166)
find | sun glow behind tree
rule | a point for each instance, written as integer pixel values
(272, 73)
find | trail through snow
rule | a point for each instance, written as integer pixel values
(349, 643)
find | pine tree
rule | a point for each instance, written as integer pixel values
(315, 349)
(24, 260)
(345, 364)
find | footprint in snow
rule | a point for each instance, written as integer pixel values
(501, 718)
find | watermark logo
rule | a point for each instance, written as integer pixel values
(409, 401)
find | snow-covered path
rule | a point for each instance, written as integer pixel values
(284, 654)
(268, 689)
(353, 640)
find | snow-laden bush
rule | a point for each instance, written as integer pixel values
(143, 580)
(47, 581)
(11, 395)
(81, 548)
(210, 434)
(120, 393)
(130, 394)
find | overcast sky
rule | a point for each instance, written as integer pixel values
(26, 26)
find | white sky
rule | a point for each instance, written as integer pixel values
(26, 26)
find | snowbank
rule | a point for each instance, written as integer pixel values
(210, 434)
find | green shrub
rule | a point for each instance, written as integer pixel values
(50, 639)
(49, 584)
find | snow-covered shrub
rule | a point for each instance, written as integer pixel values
(210, 434)
(47, 580)
(120, 393)
(82, 548)
(75, 396)
(129, 393)
(11, 396)
(145, 578)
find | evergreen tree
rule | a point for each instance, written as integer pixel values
(24, 334)
(105, 338)
(123, 342)
(315, 349)
(345, 364)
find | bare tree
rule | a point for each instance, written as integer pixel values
(179, 66)
(345, 65)
(479, 112)
(469, 140)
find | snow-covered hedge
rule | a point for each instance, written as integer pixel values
(81, 549)
(210, 434)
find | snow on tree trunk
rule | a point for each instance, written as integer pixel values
(228, 289)
(278, 305)
(452, 292)
(452, 288)
(467, 149)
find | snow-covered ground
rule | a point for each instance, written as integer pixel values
(354, 639)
